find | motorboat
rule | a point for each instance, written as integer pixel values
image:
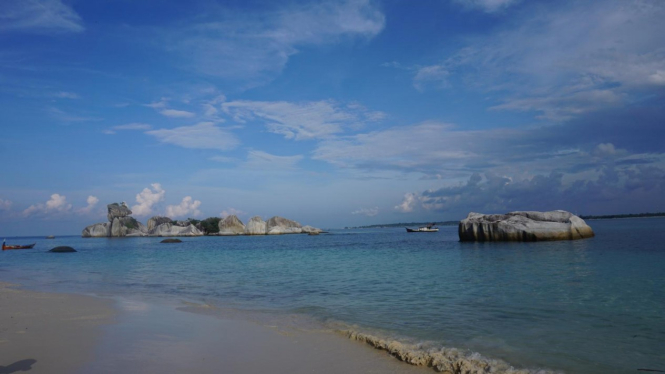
(6, 247)
(428, 228)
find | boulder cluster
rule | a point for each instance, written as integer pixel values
(232, 225)
(524, 227)
(121, 224)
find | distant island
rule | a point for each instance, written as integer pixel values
(614, 216)
(404, 224)
(455, 223)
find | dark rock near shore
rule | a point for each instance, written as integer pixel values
(524, 227)
(171, 241)
(63, 249)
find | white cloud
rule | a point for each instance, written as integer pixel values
(563, 60)
(254, 47)
(173, 113)
(302, 121)
(267, 161)
(408, 203)
(187, 207)
(67, 117)
(369, 212)
(38, 16)
(56, 204)
(147, 198)
(92, 202)
(224, 159)
(232, 212)
(5, 205)
(489, 6)
(129, 126)
(204, 135)
(436, 75)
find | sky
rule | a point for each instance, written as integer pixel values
(331, 113)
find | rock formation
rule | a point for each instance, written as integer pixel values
(121, 224)
(255, 226)
(156, 221)
(169, 229)
(524, 226)
(118, 210)
(279, 225)
(231, 225)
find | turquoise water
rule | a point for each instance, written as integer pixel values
(588, 306)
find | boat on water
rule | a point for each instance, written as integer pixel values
(6, 247)
(428, 228)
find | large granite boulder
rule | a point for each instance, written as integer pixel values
(231, 225)
(98, 230)
(127, 226)
(255, 226)
(280, 225)
(116, 210)
(156, 221)
(169, 229)
(311, 230)
(524, 226)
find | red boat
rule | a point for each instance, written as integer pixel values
(6, 247)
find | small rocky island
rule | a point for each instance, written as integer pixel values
(524, 227)
(121, 224)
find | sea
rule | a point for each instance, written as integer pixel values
(586, 306)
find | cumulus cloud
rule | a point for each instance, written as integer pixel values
(408, 203)
(188, 207)
(205, 135)
(5, 205)
(614, 188)
(369, 212)
(38, 16)
(92, 202)
(232, 212)
(302, 121)
(254, 47)
(56, 204)
(147, 198)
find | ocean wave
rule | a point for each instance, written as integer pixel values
(442, 359)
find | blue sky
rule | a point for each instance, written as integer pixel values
(332, 113)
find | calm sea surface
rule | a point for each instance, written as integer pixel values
(587, 306)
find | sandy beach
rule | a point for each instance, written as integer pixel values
(48, 332)
(64, 333)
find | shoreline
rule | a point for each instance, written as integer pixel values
(74, 333)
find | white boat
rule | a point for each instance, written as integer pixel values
(428, 228)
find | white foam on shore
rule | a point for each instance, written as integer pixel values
(444, 360)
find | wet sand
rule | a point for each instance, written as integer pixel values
(62, 333)
(47, 332)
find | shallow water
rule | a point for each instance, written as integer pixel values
(587, 306)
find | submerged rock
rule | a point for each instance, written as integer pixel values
(63, 249)
(231, 225)
(255, 226)
(116, 210)
(171, 241)
(280, 225)
(524, 226)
